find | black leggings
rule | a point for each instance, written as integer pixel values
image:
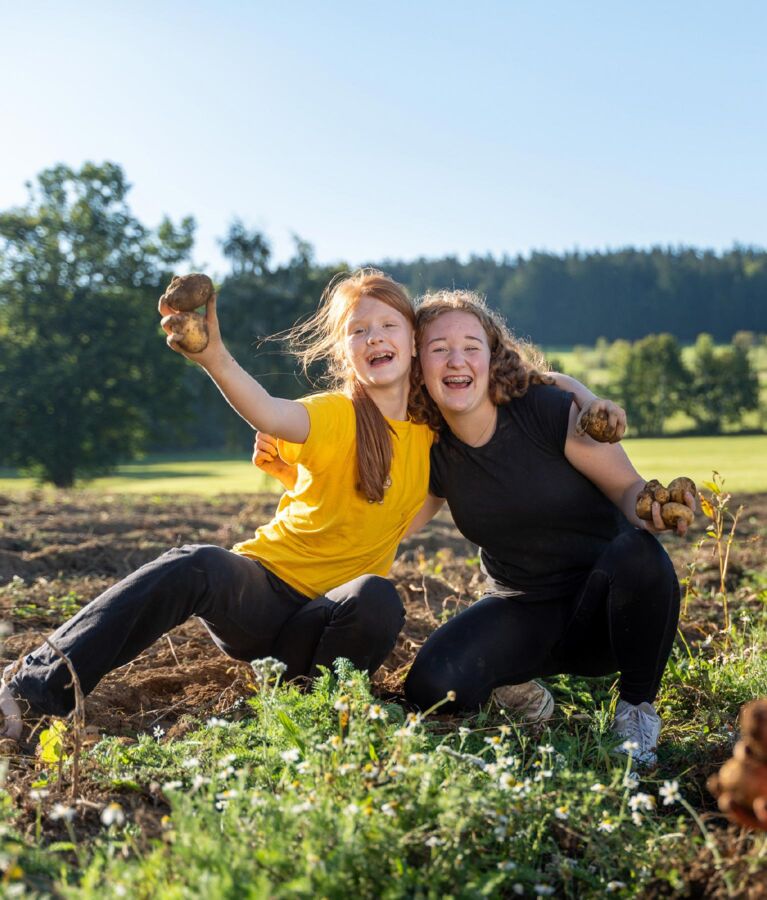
(623, 619)
(249, 612)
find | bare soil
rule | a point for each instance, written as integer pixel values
(58, 553)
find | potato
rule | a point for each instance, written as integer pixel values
(681, 486)
(193, 330)
(596, 425)
(753, 728)
(671, 513)
(644, 505)
(188, 292)
(744, 779)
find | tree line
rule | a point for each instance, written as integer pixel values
(86, 382)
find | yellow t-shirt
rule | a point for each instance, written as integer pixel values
(325, 532)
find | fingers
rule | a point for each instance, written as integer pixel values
(264, 449)
(620, 427)
(691, 501)
(579, 429)
(657, 519)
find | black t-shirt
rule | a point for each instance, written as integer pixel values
(539, 523)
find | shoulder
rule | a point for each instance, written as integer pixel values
(332, 430)
(543, 414)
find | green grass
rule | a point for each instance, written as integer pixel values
(740, 458)
(206, 474)
(329, 794)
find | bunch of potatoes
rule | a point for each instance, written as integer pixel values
(184, 295)
(673, 509)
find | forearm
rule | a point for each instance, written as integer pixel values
(432, 505)
(253, 402)
(582, 395)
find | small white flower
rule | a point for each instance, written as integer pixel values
(670, 792)
(377, 712)
(112, 814)
(463, 731)
(636, 818)
(630, 746)
(607, 825)
(562, 813)
(543, 890)
(450, 696)
(631, 781)
(598, 788)
(352, 809)
(38, 794)
(613, 886)
(389, 809)
(433, 841)
(507, 866)
(291, 756)
(213, 722)
(60, 811)
(506, 781)
(158, 732)
(190, 762)
(198, 781)
(642, 801)
(545, 748)
(172, 785)
(518, 889)
(342, 704)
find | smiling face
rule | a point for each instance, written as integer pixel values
(379, 344)
(455, 361)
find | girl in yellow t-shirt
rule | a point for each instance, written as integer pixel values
(309, 586)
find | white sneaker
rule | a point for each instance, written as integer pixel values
(639, 728)
(530, 701)
(10, 715)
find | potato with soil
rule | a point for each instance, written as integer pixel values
(185, 294)
(672, 500)
(602, 421)
(740, 786)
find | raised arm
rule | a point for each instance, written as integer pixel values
(286, 419)
(610, 469)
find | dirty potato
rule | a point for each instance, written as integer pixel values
(681, 486)
(188, 292)
(596, 424)
(192, 330)
(672, 513)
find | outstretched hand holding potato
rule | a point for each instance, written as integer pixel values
(189, 332)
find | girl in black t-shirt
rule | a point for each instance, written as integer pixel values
(575, 581)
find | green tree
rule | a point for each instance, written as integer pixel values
(724, 385)
(84, 373)
(652, 382)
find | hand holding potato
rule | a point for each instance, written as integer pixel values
(667, 507)
(189, 332)
(602, 420)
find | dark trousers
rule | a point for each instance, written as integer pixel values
(249, 612)
(623, 619)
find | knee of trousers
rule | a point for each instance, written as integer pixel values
(379, 611)
(643, 560)
(207, 559)
(427, 683)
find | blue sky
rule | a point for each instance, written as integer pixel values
(401, 129)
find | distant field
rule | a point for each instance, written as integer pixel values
(740, 459)
(207, 475)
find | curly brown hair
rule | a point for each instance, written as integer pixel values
(514, 364)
